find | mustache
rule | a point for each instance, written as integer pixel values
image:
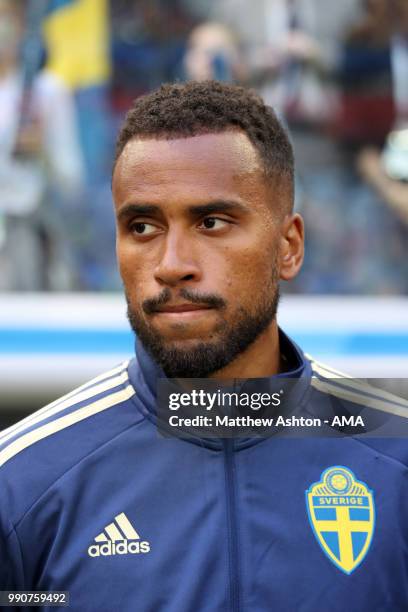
(207, 299)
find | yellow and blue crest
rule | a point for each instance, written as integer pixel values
(342, 515)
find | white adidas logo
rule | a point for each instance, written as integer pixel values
(118, 538)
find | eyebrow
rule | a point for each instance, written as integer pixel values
(131, 210)
(218, 206)
(200, 210)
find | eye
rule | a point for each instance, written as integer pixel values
(214, 223)
(142, 228)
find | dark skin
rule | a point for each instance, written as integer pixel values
(198, 213)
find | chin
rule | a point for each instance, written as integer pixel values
(185, 333)
(186, 343)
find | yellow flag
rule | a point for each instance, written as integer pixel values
(76, 37)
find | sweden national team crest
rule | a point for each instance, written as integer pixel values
(342, 515)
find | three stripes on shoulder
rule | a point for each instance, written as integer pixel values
(21, 435)
(331, 381)
(36, 426)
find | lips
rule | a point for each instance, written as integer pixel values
(178, 308)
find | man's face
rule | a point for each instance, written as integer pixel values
(198, 245)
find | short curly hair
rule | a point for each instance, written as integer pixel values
(188, 109)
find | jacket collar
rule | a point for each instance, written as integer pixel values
(144, 374)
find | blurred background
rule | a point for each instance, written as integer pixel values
(336, 73)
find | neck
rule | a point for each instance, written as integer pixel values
(260, 360)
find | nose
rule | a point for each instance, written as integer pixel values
(177, 262)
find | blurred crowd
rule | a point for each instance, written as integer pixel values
(336, 73)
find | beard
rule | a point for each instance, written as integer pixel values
(230, 337)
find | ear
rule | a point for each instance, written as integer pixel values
(292, 246)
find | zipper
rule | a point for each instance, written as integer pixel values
(233, 550)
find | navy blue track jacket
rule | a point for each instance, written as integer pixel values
(93, 501)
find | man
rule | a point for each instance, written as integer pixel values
(96, 503)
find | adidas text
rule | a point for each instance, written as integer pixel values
(118, 548)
